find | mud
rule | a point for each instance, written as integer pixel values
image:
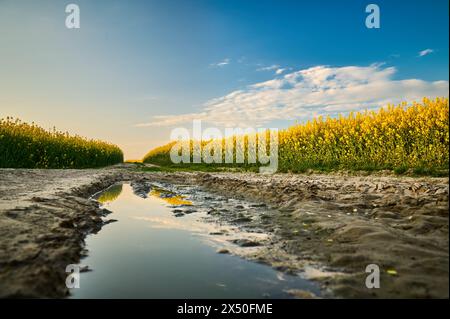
(330, 227)
(44, 218)
(324, 227)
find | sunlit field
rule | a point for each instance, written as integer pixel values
(217, 157)
(24, 145)
(404, 138)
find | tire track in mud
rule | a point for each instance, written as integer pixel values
(341, 222)
(346, 223)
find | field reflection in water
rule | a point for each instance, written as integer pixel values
(150, 253)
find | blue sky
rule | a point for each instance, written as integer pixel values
(135, 69)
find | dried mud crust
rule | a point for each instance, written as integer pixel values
(344, 223)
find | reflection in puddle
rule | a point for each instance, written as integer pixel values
(110, 194)
(151, 253)
(169, 198)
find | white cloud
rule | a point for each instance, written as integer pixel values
(274, 67)
(303, 94)
(425, 52)
(268, 68)
(221, 63)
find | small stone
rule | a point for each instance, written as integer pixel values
(245, 243)
(242, 220)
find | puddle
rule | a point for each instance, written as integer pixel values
(150, 253)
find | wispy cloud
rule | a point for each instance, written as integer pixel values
(303, 94)
(222, 63)
(268, 68)
(274, 67)
(425, 52)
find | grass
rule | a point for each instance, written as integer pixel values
(364, 170)
(196, 168)
(404, 171)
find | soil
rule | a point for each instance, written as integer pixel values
(328, 228)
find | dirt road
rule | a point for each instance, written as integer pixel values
(337, 224)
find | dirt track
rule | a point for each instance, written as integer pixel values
(341, 223)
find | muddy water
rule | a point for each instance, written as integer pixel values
(151, 251)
